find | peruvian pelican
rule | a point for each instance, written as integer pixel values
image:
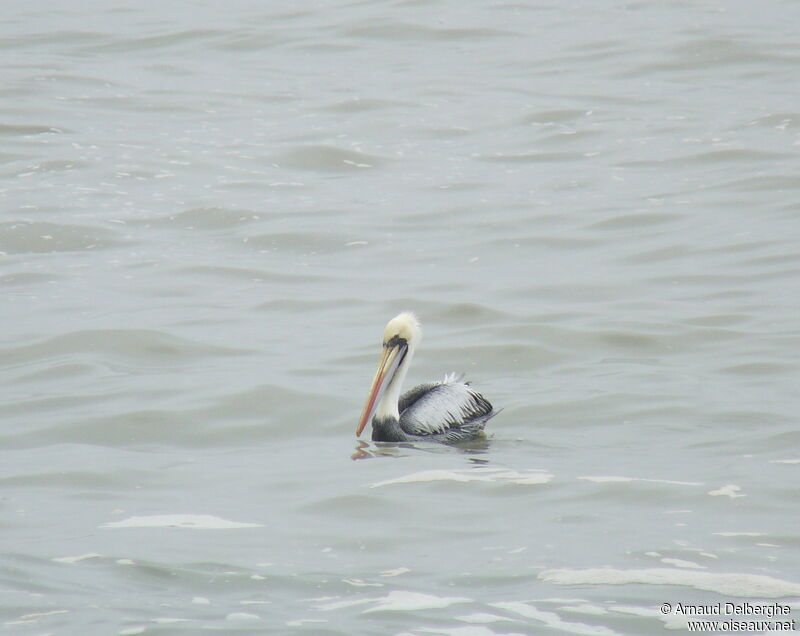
(449, 411)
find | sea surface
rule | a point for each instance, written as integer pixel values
(208, 213)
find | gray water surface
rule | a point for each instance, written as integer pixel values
(208, 215)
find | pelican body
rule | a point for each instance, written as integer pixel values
(448, 412)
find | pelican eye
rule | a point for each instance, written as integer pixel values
(395, 341)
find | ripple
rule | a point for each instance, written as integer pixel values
(498, 475)
(535, 157)
(629, 221)
(303, 306)
(466, 313)
(404, 601)
(301, 242)
(194, 522)
(553, 620)
(416, 32)
(211, 218)
(360, 105)
(555, 116)
(763, 183)
(323, 158)
(12, 130)
(710, 53)
(759, 369)
(782, 121)
(25, 279)
(353, 507)
(727, 584)
(712, 157)
(152, 43)
(139, 344)
(247, 274)
(52, 166)
(21, 237)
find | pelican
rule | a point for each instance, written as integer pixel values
(448, 412)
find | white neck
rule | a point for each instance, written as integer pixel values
(389, 404)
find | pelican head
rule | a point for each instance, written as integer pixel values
(402, 334)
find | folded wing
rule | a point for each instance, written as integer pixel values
(448, 407)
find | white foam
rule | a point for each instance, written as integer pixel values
(528, 478)
(610, 479)
(304, 621)
(28, 618)
(360, 583)
(401, 601)
(482, 617)
(327, 607)
(472, 630)
(585, 608)
(739, 534)
(525, 478)
(726, 584)
(78, 558)
(432, 475)
(242, 616)
(198, 522)
(680, 563)
(607, 479)
(395, 572)
(551, 619)
(637, 611)
(784, 461)
(728, 490)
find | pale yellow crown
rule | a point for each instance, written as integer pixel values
(405, 326)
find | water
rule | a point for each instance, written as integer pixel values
(209, 214)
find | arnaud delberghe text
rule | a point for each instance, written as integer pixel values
(733, 609)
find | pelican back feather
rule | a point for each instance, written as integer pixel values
(450, 408)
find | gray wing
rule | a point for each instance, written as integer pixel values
(442, 407)
(412, 395)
